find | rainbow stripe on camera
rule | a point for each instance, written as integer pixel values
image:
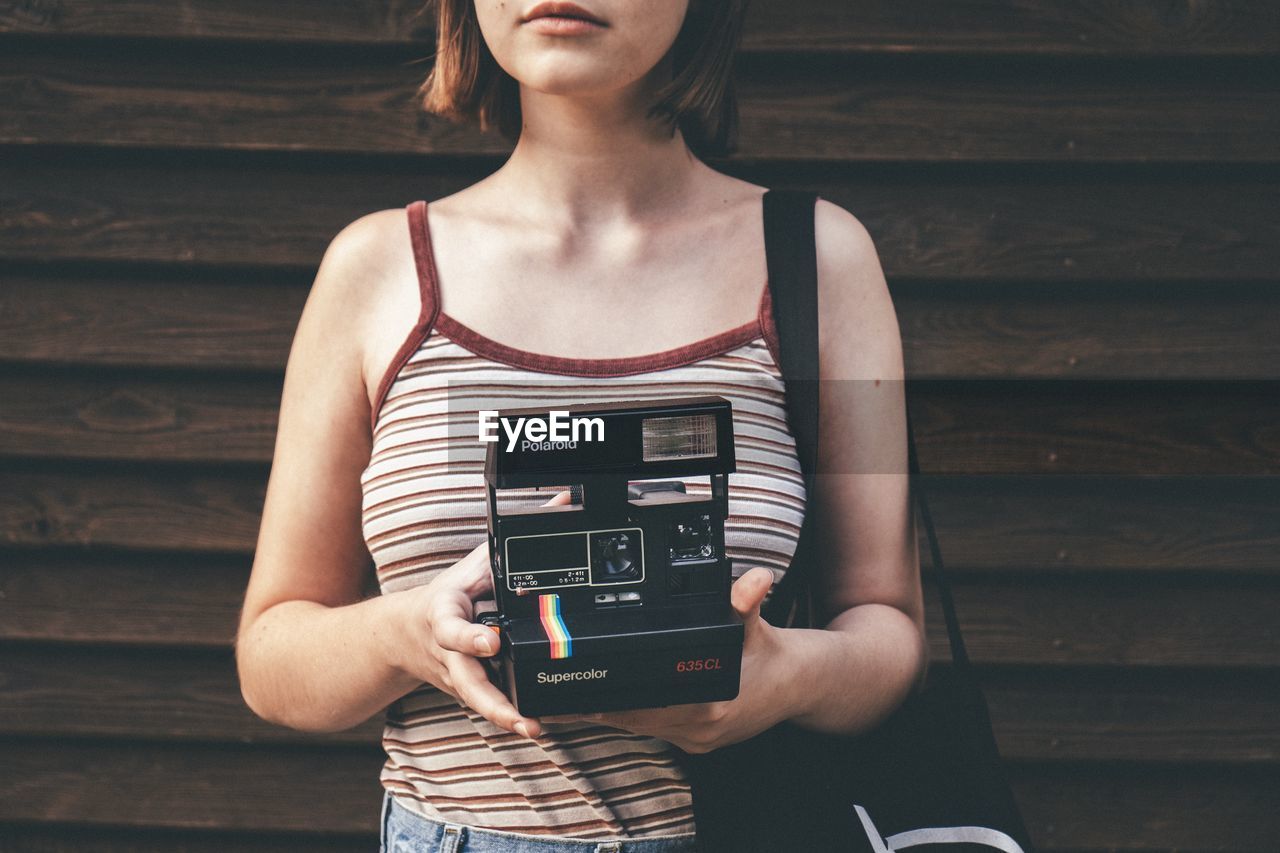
(553, 625)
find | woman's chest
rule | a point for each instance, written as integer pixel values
(423, 489)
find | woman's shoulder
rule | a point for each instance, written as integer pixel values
(362, 260)
(842, 241)
(366, 238)
(366, 282)
(855, 298)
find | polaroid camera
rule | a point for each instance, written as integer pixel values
(619, 598)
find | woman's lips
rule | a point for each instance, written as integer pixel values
(555, 25)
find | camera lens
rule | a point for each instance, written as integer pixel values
(691, 539)
(615, 557)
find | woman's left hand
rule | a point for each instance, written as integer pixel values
(765, 696)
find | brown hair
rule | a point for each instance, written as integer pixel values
(467, 85)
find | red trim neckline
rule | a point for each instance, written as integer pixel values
(471, 340)
(479, 344)
(431, 318)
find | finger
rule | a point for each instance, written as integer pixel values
(481, 583)
(560, 499)
(478, 693)
(473, 575)
(748, 592)
(456, 634)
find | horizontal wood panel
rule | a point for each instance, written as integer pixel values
(229, 419)
(159, 694)
(149, 321)
(1070, 620)
(1093, 428)
(161, 510)
(65, 838)
(188, 786)
(836, 111)
(962, 427)
(984, 523)
(1134, 715)
(1118, 331)
(1136, 331)
(1113, 621)
(1058, 714)
(1039, 226)
(1139, 808)
(1203, 28)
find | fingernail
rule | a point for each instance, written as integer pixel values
(523, 728)
(482, 644)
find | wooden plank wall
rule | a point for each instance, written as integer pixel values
(1076, 205)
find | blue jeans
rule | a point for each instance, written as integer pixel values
(405, 831)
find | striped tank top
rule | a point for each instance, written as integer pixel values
(423, 509)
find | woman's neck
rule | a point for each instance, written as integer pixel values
(583, 161)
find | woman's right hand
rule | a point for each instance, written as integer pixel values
(437, 641)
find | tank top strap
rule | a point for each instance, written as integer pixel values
(428, 286)
(428, 303)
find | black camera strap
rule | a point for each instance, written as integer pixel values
(793, 289)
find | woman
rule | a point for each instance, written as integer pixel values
(603, 259)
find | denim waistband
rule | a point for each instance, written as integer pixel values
(406, 831)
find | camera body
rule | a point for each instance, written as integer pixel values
(620, 598)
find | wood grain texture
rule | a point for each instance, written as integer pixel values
(1031, 524)
(1042, 226)
(335, 790)
(191, 786)
(64, 838)
(1137, 807)
(166, 321)
(368, 22)
(999, 27)
(1114, 621)
(217, 321)
(1154, 330)
(168, 510)
(836, 110)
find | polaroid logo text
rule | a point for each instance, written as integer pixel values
(548, 445)
(559, 431)
(561, 677)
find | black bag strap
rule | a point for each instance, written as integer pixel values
(793, 289)
(959, 654)
(792, 261)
